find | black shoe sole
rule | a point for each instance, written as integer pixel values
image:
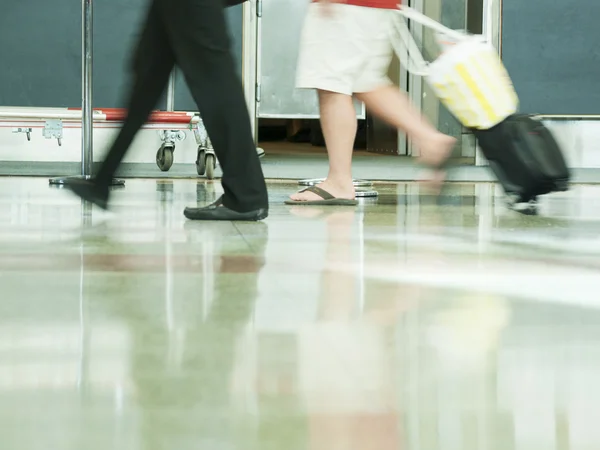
(224, 214)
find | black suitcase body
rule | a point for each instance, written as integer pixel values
(525, 158)
(229, 3)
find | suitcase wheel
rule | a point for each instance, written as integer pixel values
(561, 185)
(529, 208)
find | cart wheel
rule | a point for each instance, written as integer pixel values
(201, 162)
(211, 165)
(164, 157)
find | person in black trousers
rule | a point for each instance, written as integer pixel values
(193, 35)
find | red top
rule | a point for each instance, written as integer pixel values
(385, 4)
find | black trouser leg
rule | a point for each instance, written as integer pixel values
(201, 44)
(153, 62)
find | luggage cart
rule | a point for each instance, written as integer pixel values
(52, 121)
(206, 161)
(172, 127)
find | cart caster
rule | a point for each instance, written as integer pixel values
(206, 163)
(164, 157)
(201, 162)
(211, 165)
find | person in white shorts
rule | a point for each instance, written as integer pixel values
(346, 50)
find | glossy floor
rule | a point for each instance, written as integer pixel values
(406, 323)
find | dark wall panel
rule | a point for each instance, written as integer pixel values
(41, 51)
(550, 48)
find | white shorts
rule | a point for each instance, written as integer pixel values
(348, 51)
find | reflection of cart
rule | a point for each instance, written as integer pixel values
(172, 127)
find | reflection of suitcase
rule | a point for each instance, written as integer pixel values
(525, 157)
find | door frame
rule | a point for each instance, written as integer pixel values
(250, 59)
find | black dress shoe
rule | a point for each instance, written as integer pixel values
(216, 211)
(89, 191)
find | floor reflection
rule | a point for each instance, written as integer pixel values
(403, 323)
(337, 380)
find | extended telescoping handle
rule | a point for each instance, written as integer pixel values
(416, 16)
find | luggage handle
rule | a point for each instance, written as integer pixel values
(415, 63)
(412, 14)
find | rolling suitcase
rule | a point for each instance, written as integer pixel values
(471, 81)
(525, 158)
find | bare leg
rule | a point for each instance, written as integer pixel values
(394, 107)
(338, 121)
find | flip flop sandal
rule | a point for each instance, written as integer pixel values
(326, 199)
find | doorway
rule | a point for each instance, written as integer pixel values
(286, 119)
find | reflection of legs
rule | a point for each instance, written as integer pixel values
(186, 400)
(394, 107)
(338, 287)
(198, 31)
(348, 382)
(338, 121)
(153, 64)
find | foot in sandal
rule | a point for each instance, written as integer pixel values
(325, 193)
(435, 151)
